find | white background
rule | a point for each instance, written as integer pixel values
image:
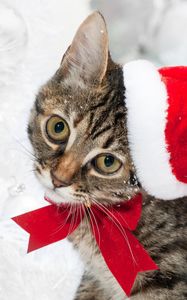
(33, 36)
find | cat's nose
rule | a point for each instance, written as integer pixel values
(58, 182)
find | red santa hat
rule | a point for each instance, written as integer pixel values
(156, 101)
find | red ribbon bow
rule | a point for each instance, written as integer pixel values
(111, 227)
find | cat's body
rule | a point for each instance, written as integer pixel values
(79, 134)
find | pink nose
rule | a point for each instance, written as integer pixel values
(59, 183)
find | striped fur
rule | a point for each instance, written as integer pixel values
(96, 116)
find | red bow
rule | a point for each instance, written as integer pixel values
(111, 227)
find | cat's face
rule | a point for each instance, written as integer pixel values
(78, 125)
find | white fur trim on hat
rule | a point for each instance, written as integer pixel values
(146, 101)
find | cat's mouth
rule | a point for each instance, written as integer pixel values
(86, 203)
(65, 195)
(49, 200)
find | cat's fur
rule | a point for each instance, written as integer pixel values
(88, 92)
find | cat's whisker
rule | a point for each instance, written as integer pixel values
(86, 218)
(99, 236)
(65, 221)
(76, 212)
(117, 223)
(61, 226)
(80, 214)
(27, 151)
(92, 226)
(74, 217)
(31, 170)
(28, 155)
(120, 216)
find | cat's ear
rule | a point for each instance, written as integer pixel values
(86, 59)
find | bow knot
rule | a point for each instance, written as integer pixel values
(111, 227)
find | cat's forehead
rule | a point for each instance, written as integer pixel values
(78, 106)
(57, 96)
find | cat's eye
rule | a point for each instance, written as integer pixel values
(107, 164)
(57, 129)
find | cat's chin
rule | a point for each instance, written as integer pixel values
(60, 197)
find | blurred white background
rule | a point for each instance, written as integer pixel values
(33, 36)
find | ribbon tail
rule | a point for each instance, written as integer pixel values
(122, 252)
(138, 260)
(47, 225)
(34, 244)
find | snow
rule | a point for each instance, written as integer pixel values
(33, 37)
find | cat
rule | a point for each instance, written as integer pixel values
(78, 132)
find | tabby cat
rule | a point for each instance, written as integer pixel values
(79, 135)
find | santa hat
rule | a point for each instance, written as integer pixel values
(156, 101)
